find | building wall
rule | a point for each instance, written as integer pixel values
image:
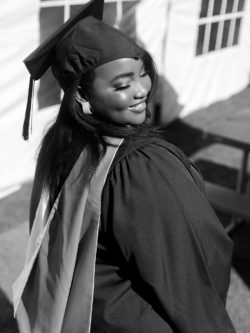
(18, 36)
(167, 28)
(200, 80)
(190, 81)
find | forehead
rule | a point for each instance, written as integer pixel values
(118, 67)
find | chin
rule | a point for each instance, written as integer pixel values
(138, 120)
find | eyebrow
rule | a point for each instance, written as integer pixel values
(129, 74)
(120, 76)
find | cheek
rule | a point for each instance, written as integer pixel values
(119, 100)
(148, 84)
(109, 102)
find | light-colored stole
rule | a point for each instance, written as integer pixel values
(42, 291)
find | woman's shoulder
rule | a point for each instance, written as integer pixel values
(150, 148)
(145, 155)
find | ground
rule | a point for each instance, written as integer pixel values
(216, 162)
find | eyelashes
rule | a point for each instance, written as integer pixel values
(120, 87)
(143, 74)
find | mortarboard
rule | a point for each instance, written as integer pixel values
(81, 44)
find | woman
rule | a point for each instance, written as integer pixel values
(122, 236)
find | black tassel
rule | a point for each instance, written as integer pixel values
(27, 124)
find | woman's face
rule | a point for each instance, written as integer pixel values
(120, 91)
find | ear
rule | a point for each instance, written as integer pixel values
(79, 97)
(84, 103)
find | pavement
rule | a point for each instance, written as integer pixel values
(13, 240)
(184, 133)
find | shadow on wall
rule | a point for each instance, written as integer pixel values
(8, 323)
(164, 105)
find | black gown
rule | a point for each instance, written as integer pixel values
(163, 257)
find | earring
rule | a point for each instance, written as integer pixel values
(84, 103)
(86, 107)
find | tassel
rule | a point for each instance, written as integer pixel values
(27, 124)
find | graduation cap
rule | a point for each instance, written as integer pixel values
(81, 44)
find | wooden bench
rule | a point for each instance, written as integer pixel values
(228, 201)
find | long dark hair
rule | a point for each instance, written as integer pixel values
(74, 131)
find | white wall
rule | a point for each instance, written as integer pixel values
(18, 37)
(197, 81)
(152, 25)
(168, 29)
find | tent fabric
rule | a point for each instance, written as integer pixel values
(18, 36)
(170, 34)
(168, 29)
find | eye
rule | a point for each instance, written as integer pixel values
(144, 73)
(121, 87)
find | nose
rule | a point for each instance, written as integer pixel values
(142, 88)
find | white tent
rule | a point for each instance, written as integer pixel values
(18, 34)
(201, 49)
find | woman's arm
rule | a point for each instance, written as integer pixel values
(171, 239)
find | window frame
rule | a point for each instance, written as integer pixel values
(66, 5)
(220, 18)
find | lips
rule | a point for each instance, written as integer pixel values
(139, 107)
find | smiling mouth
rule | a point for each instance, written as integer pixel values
(139, 107)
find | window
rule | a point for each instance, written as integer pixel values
(219, 25)
(50, 18)
(119, 13)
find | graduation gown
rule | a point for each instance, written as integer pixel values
(42, 294)
(163, 258)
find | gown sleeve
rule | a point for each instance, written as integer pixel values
(170, 238)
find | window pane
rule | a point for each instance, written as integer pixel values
(200, 39)
(241, 5)
(217, 7)
(128, 22)
(74, 9)
(109, 13)
(129, 5)
(236, 31)
(229, 7)
(49, 90)
(213, 36)
(204, 8)
(225, 33)
(50, 19)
